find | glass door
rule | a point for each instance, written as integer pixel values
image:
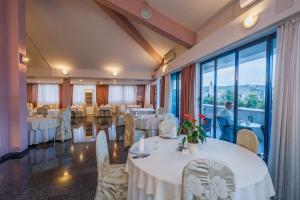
(208, 96)
(176, 92)
(252, 90)
(236, 91)
(225, 98)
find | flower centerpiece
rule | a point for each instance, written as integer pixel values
(195, 133)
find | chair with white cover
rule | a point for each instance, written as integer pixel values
(169, 116)
(168, 128)
(206, 180)
(42, 110)
(148, 106)
(132, 134)
(161, 111)
(64, 131)
(112, 179)
(247, 139)
(119, 117)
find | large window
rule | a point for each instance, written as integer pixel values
(122, 94)
(236, 91)
(176, 92)
(79, 93)
(48, 94)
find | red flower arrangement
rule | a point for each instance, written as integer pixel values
(194, 132)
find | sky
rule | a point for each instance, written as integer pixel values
(253, 73)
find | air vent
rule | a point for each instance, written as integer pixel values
(169, 56)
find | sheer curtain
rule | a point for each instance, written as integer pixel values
(168, 96)
(79, 93)
(157, 83)
(122, 94)
(48, 94)
(147, 94)
(284, 157)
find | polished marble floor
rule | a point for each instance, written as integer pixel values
(66, 171)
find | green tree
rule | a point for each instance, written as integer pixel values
(252, 101)
(226, 96)
(208, 99)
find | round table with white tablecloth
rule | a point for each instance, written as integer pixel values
(141, 111)
(159, 176)
(41, 129)
(149, 123)
(53, 112)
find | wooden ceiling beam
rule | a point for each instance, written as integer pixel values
(159, 22)
(129, 28)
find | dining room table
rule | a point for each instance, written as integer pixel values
(149, 123)
(142, 111)
(41, 129)
(255, 127)
(159, 176)
(53, 112)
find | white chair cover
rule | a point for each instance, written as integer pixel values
(64, 131)
(112, 179)
(208, 180)
(132, 135)
(169, 116)
(161, 111)
(168, 128)
(42, 110)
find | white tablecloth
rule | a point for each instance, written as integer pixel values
(53, 112)
(159, 176)
(142, 111)
(41, 129)
(150, 122)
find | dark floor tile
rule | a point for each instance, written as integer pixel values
(40, 174)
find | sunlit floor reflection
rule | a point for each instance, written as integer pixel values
(66, 171)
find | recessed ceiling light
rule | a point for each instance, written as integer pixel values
(115, 73)
(65, 72)
(80, 80)
(251, 21)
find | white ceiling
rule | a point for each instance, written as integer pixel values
(78, 34)
(190, 13)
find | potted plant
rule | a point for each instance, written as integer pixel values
(194, 132)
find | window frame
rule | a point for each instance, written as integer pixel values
(268, 90)
(177, 78)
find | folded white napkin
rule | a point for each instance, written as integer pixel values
(141, 145)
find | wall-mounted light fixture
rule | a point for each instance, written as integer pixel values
(23, 59)
(251, 21)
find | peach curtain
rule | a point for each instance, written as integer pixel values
(162, 91)
(102, 94)
(187, 91)
(141, 92)
(32, 93)
(61, 96)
